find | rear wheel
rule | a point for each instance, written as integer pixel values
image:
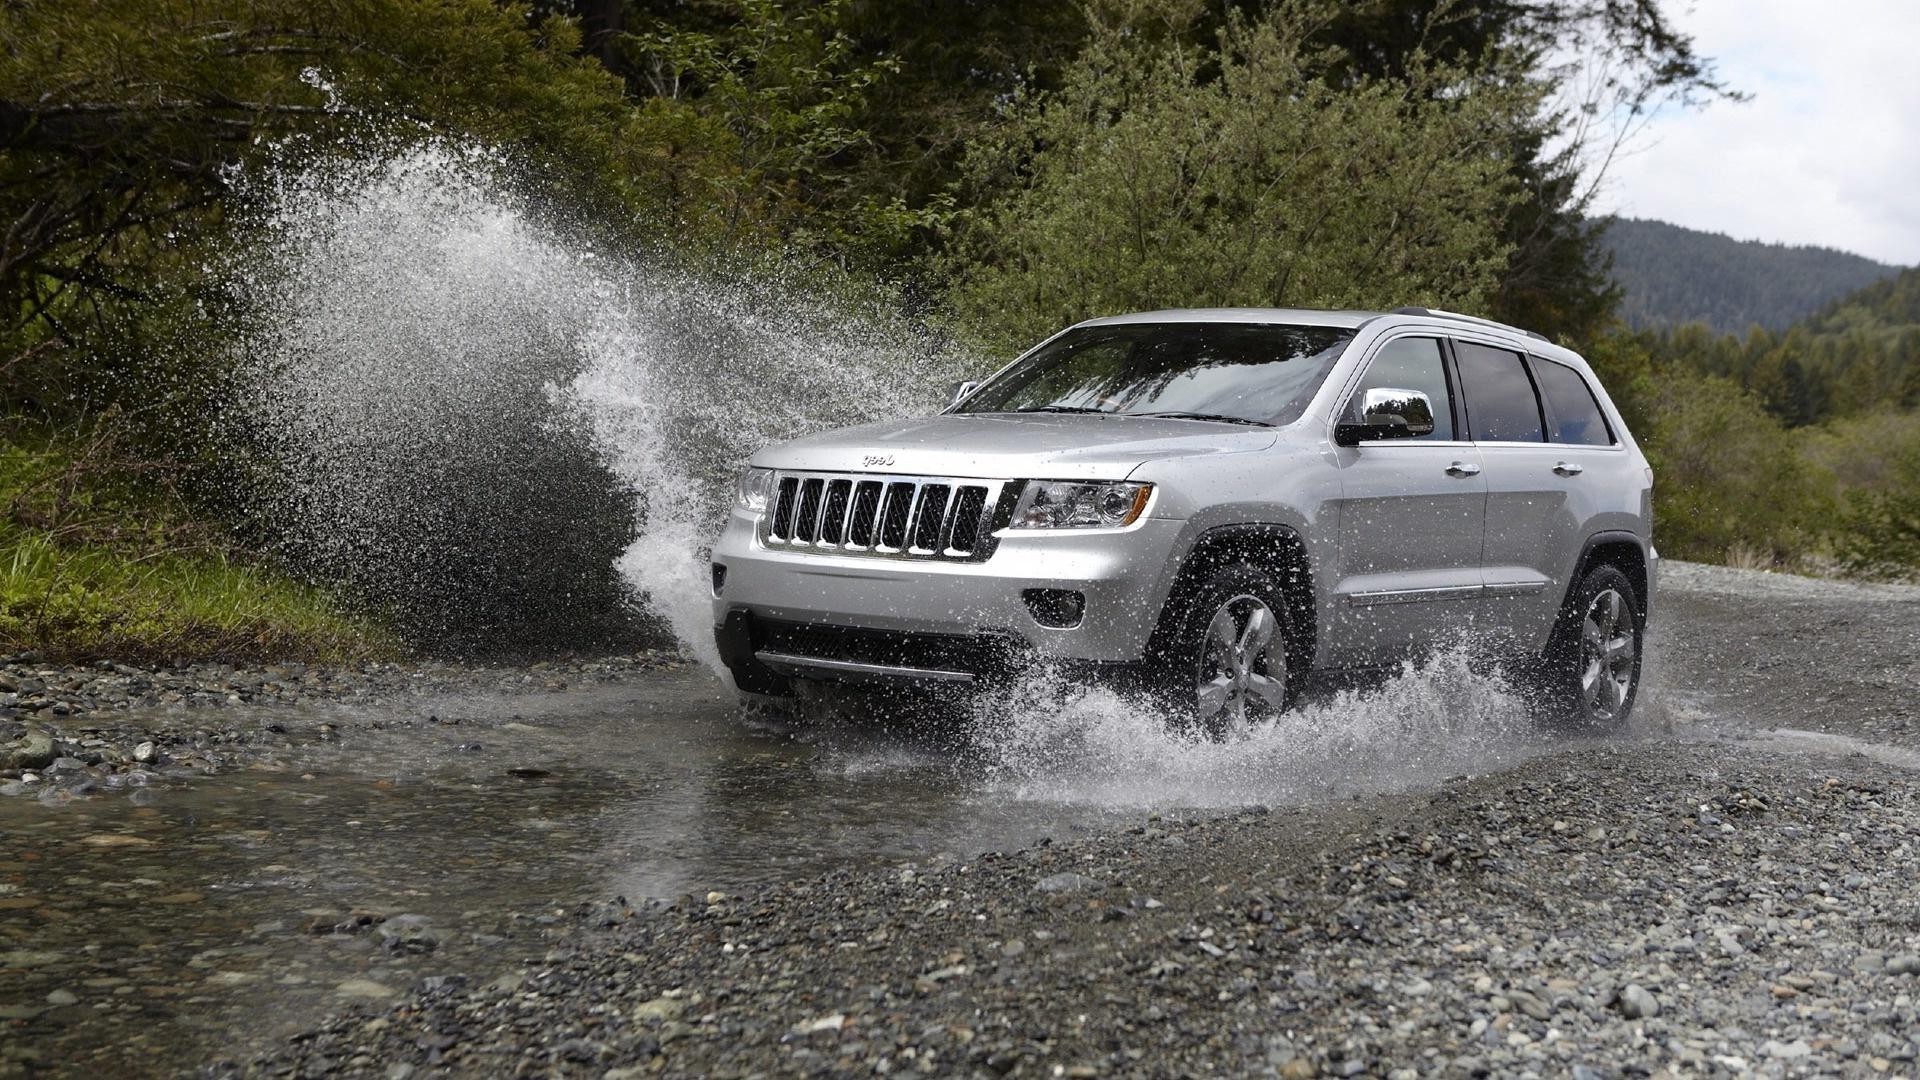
(1226, 666)
(1592, 665)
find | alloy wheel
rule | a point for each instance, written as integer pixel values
(1607, 652)
(1241, 672)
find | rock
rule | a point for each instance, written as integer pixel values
(657, 1009)
(364, 988)
(116, 840)
(1637, 1004)
(830, 1022)
(1068, 882)
(1530, 1004)
(1788, 1051)
(35, 750)
(409, 933)
(145, 752)
(30, 958)
(1904, 964)
(58, 998)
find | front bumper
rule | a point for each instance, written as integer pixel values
(937, 620)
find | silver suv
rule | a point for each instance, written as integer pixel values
(1217, 504)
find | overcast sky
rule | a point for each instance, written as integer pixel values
(1828, 150)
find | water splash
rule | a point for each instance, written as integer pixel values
(1054, 741)
(473, 415)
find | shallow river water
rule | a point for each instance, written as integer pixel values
(201, 918)
(198, 918)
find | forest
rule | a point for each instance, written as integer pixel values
(991, 169)
(1670, 276)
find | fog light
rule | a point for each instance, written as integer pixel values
(719, 578)
(1058, 608)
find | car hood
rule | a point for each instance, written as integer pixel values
(1064, 446)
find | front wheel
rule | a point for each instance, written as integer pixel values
(1592, 665)
(1227, 662)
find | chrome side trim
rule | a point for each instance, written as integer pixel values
(1513, 588)
(1413, 596)
(789, 664)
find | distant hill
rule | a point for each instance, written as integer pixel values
(1670, 275)
(1891, 305)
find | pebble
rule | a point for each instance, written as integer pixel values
(1068, 882)
(1638, 1004)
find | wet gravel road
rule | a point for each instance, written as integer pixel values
(1727, 889)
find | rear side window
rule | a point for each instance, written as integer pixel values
(1410, 363)
(1570, 401)
(1501, 404)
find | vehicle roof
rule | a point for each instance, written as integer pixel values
(1348, 320)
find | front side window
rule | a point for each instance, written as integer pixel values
(1410, 363)
(1576, 413)
(1253, 373)
(1501, 404)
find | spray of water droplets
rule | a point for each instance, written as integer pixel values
(452, 387)
(1056, 741)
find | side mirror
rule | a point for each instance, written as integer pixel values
(961, 390)
(1386, 412)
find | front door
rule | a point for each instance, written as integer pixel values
(1412, 518)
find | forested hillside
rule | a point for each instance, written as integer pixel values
(987, 170)
(1670, 276)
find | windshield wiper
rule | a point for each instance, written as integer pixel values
(1063, 409)
(1218, 417)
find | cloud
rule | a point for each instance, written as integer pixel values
(1828, 150)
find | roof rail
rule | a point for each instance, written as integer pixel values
(1438, 314)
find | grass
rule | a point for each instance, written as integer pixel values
(98, 560)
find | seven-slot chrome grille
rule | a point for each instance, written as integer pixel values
(903, 516)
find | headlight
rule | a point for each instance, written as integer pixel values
(1076, 504)
(754, 487)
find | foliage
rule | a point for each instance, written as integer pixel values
(1167, 174)
(1860, 355)
(122, 121)
(94, 563)
(1670, 276)
(750, 110)
(1703, 441)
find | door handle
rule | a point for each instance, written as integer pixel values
(1569, 468)
(1463, 468)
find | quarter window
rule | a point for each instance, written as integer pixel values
(1501, 403)
(1576, 413)
(1411, 363)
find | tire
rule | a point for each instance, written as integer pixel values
(1590, 674)
(1225, 662)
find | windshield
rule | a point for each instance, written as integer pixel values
(1252, 373)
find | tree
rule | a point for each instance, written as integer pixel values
(121, 122)
(1168, 173)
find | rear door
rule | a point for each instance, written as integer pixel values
(1412, 519)
(1529, 521)
(1597, 480)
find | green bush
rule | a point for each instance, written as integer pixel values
(1728, 477)
(96, 562)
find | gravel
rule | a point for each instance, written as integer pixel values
(67, 731)
(1574, 913)
(1697, 899)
